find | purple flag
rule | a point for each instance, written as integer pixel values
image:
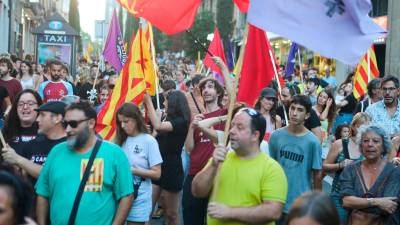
(339, 29)
(291, 60)
(114, 51)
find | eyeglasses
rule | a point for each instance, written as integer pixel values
(29, 103)
(73, 123)
(388, 89)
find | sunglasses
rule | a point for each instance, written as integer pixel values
(73, 123)
(251, 112)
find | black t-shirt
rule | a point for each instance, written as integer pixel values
(26, 134)
(82, 90)
(351, 105)
(171, 143)
(361, 106)
(3, 95)
(38, 149)
(310, 123)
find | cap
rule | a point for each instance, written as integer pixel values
(56, 107)
(269, 92)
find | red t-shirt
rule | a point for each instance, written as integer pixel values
(13, 87)
(203, 146)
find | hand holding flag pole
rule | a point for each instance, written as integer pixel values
(196, 41)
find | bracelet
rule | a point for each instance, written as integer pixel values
(340, 165)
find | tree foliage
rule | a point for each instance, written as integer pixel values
(224, 18)
(203, 26)
(74, 20)
(131, 25)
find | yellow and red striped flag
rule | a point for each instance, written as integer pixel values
(361, 75)
(130, 87)
(149, 72)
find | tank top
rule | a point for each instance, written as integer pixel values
(270, 127)
(28, 84)
(344, 154)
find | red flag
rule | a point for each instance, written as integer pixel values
(257, 70)
(243, 5)
(170, 16)
(216, 49)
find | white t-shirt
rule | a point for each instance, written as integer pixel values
(142, 152)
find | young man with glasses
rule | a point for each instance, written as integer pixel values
(51, 132)
(240, 198)
(107, 195)
(298, 151)
(386, 113)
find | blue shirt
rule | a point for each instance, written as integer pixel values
(380, 117)
(298, 156)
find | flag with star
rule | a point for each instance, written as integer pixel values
(130, 87)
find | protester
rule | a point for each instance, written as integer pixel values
(312, 85)
(107, 195)
(51, 132)
(240, 198)
(374, 95)
(313, 208)
(344, 152)
(144, 157)
(346, 106)
(267, 105)
(171, 135)
(386, 113)
(6, 80)
(326, 112)
(342, 132)
(298, 151)
(199, 147)
(194, 98)
(15, 200)
(312, 123)
(370, 188)
(20, 126)
(27, 78)
(55, 88)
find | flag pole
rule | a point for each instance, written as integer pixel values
(369, 73)
(196, 41)
(229, 118)
(300, 65)
(93, 93)
(153, 54)
(279, 83)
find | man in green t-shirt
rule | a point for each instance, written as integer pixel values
(107, 196)
(252, 187)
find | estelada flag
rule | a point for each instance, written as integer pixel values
(130, 87)
(361, 76)
(170, 16)
(257, 68)
(148, 64)
(216, 49)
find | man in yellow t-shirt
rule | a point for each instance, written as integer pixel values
(252, 187)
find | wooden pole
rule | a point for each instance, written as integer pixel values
(153, 54)
(229, 118)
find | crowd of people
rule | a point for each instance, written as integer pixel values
(172, 156)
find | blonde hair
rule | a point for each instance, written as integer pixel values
(359, 119)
